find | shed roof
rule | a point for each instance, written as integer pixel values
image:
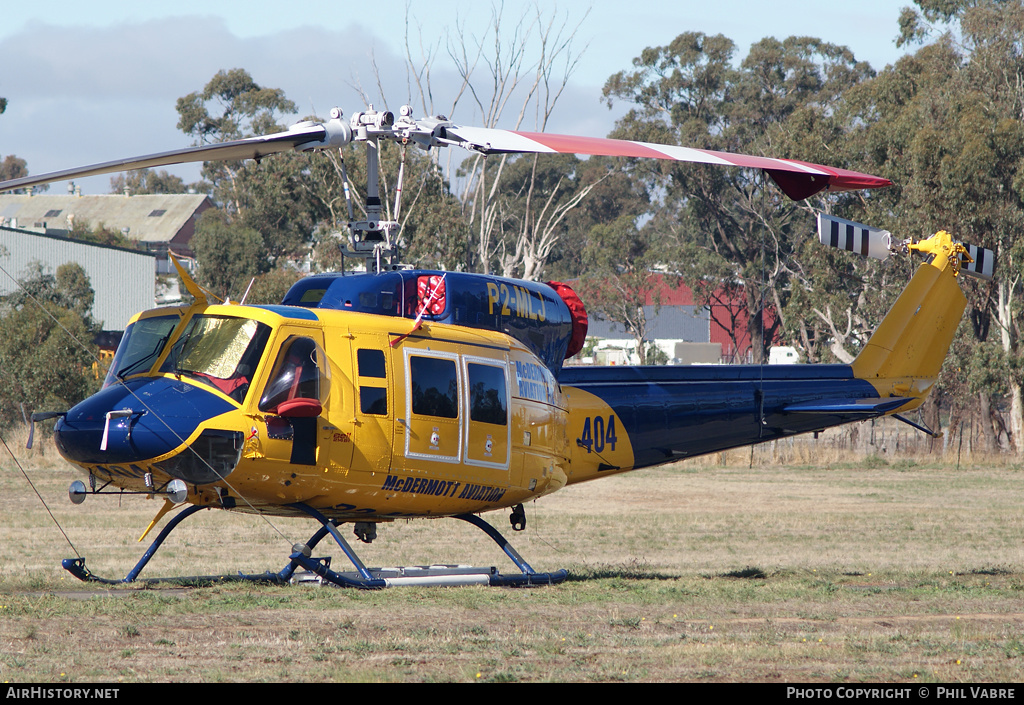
(148, 217)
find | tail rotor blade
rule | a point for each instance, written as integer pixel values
(854, 237)
(984, 263)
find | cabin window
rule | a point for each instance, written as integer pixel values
(371, 363)
(141, 345)
(299, 373)
(487, 401)
(372, 399)
(435, 387)
(220, 351)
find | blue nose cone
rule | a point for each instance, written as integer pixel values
(149, 416)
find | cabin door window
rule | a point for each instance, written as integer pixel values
(373, 379)
(374, 409)
(433, 391)
(488, 435)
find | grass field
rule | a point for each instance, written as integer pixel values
(734, 568)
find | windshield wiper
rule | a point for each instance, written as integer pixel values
(155, 353)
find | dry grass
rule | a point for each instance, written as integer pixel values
(829, 569)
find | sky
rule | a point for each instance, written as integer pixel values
(89, 82)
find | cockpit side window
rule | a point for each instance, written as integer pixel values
(300, 372)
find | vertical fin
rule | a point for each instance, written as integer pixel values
(914, 337)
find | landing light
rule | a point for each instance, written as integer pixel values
(77, 492)
(177, 491)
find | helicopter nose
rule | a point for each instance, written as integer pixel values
(135, 421)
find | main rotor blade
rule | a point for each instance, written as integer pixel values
(303, 135)
(797, 179)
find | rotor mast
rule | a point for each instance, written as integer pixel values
(375, 238)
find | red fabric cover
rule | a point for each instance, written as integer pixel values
(580, 322)
(425, 287)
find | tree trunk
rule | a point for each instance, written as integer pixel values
(1016, 419)
(1005, 314)
(755, 323)
(985, 412)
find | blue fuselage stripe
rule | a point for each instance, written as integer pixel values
(681, 412)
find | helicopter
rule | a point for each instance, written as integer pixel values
(405, 394)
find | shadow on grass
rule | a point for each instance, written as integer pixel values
(994, 570)
(747, 573)
(624, 572)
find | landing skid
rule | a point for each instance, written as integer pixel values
(362, 578)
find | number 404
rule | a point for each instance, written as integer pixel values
(598, 433)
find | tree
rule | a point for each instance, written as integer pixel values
(147, 181)
(13, 167)
(272, 199)
(229, 254)
(271, 287)
(618, 259)
(46, 347)
(945, 125)
(102, 235)
(527, 65)
(726, 224)
(231, 106)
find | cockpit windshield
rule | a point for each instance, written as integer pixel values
(220, 351)
(141, 345)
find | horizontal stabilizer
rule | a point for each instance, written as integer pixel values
(854, 237)
(847, 407)
(983, 265)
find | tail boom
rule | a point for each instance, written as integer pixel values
(663, 414)
(623, 418)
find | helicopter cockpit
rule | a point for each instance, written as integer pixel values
(298, 383)
(219, 351)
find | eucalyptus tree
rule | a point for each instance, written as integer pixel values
(945, 124)
(729, 225)
(46, 342)
(512, 74)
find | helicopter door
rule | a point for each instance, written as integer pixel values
(489, 435)
(433, 431)
(293, 400)
(374, 410)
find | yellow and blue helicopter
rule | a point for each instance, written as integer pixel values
(364, 398)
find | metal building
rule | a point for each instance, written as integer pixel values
(124, 280)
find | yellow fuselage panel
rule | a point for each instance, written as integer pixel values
(434, 421)
(598, 440)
